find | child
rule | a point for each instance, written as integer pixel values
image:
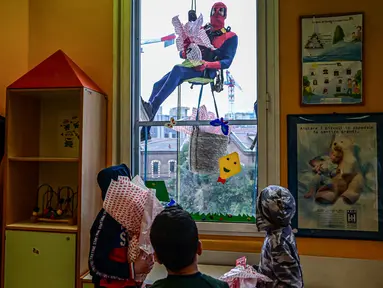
(279, 258)
(174, 236)
(108, 257)
(325, 168)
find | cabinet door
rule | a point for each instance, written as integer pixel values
(39, 260)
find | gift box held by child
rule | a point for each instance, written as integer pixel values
(108, 258)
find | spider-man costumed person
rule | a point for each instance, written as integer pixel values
(226, 43)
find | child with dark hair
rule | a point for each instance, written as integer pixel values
(279, 258)
(109, 241)
(174, 236)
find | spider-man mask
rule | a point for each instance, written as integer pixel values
(218, 15)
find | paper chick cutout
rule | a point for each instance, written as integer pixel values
(229, 165)
(224, 125)
(171, 124)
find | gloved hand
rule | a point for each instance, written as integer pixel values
(201, 67)
(208, 65)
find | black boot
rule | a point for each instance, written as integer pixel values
(146, 111)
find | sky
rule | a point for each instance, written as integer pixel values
(156, 60)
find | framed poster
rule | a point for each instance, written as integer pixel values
(335, 174)
(332, 59)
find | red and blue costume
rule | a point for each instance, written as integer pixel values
(225, 42)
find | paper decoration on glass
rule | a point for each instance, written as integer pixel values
(229, 165)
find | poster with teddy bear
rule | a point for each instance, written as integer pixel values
(335, 175)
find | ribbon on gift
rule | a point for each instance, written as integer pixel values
(202, 115)
(244, 277)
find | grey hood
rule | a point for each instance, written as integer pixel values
(275, 208)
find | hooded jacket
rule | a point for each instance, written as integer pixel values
(279, 258)
(108, 256)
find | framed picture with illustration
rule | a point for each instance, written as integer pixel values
(332, 59)
(335, 174)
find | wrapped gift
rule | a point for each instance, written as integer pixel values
(203, 114)
(134, 206)
(190, 37)
(244, 276)
(153, 207)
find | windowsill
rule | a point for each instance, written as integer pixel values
(235, 237)
(229, 229)
(334, 248)
(232, 243)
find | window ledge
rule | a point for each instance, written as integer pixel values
(229, 229)
(318, 247)
(232, 243)
(235, 237)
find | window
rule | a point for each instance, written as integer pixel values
(156, 169)
(201, 193)
(172, 166)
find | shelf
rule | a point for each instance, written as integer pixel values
(24, 179)
(44, 159)
(40, 226)
(47, 127)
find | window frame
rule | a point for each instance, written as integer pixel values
(158, 174)
(126, 82)
(169, 167)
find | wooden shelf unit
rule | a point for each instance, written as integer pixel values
(36, 154)
(43, 159)
(41, 226)
(39, 150)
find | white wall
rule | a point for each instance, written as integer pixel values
(318, 272)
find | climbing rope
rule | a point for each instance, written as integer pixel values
(194, 5)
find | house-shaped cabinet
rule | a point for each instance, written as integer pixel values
(55, 140)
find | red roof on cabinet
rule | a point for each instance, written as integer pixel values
(57, 71)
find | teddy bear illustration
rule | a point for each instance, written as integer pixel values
(326, 173)
(349, 182)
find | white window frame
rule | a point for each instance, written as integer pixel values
(158, 175)
(127, 56)
(175, 167)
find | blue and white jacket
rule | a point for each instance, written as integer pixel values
(279, 258)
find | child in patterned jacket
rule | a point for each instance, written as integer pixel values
(279, 258)
(109, 241)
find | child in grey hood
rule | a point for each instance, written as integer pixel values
(279, 259)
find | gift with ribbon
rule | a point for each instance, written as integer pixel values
(134, 206)
(244, 276)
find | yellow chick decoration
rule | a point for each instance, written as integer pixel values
(229, 165)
